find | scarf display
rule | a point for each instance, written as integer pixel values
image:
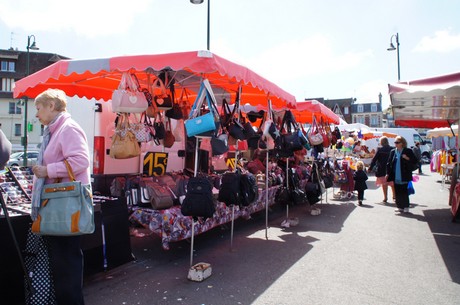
(40, 182)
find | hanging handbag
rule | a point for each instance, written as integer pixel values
(175, 112)
(198, 123)
(315, 137)
(179, 131)
(128, 97)
(169, 139)
(184, 103)
(159, 127)
(152, 109)
(66, 208)
(141, 130)
(161, 97)
(305, 136)
(124, 144)
(326, 133)
(219, 144)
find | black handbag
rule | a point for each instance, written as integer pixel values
(299, 196)
(175, 112)
(236, 130)
(219, 144)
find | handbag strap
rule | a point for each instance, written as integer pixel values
(205, 92)
(69, 170)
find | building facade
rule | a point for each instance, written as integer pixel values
(370, 114)
(14, 67)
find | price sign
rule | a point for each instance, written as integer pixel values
(230, 163)
(155, 163)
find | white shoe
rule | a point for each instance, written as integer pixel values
(398, 210)
(406, 210)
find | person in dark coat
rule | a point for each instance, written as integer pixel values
(380, 160)
(360, 178)
(399, 169)
(418, 154)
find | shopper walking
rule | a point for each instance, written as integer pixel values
(360, 178)
(399, 169)
(418, 156)
(63, 139)
(380, 161)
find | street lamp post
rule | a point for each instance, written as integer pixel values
(392, 48)
(209, 19)
(30, 46)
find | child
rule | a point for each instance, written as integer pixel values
(360, 178)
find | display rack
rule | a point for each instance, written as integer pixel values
(16, 183)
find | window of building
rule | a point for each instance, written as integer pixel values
(360, 119)
(7, 85)
(360, 109)
(14, 108)
(345, 110)
(374, 121)
(17, 130)
(8, 66)
(374, 108)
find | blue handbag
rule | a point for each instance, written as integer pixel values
(198, 124)
(66, 209)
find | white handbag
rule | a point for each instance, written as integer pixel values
(128, 98)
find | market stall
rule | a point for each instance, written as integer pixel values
(428, 103)
(98, 78)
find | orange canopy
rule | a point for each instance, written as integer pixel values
(306, 110)
(97, 78)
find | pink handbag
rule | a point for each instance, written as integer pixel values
(127, 98)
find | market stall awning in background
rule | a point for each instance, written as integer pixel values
(426, 103)
(98, 78)
(306, 110)
(443, 132)
(367, 135)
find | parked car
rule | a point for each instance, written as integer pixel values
(17, 158)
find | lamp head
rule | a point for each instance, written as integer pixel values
(34, 46)
(196, 1)
(392, 47)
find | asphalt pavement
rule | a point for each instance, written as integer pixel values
(348, 254)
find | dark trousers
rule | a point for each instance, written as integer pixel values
(67, 266)
(361, 195)
(419, 167)
(402, 195)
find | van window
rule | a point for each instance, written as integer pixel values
(417, 138)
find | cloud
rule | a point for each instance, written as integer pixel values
(87, 18)
(441, 42)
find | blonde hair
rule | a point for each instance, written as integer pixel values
(402, 140)
(53, 95)
(360, 165)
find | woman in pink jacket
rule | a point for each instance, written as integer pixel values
(63, 139)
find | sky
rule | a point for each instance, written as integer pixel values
(327, 49)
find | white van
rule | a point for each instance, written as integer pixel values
(411, 135)
(98, 121)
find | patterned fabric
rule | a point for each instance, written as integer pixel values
(38, 266)
(172, 226)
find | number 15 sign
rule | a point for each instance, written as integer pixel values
(155, 163)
